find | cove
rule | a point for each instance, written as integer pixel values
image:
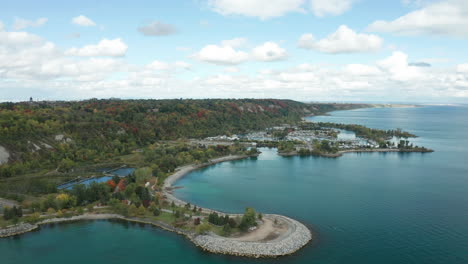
(364, 208)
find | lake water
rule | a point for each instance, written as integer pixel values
(363, 208)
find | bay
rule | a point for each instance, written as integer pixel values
(363, 208)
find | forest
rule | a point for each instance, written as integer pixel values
(60, 135)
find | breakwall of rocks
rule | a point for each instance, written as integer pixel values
(17, 229)
(297, 237)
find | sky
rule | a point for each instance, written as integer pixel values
(306, 50)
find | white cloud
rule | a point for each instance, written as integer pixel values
(84, 21)
(157, 28)
(322, 8)
(165, 66)
(2, 26)
(234, 43)
(399, 69)
(264, 9)
(361, 69)
(298, 77)
(158, 65)
(182, 65)
(21, 23)
(443, 18)
(26, 57)
(222, 55)
(35, 66)
(462, 68)
(231, 69)
(344, 40)
(269, 51)
(18, 39)
(106, 47)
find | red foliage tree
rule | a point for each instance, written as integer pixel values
(121, 185)
(111, 184)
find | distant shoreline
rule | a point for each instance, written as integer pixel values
(341, 152)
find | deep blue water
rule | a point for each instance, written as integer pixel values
(363, 208)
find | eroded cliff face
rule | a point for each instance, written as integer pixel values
(4, 155)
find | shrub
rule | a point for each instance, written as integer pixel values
(203, 228)
(156, 212)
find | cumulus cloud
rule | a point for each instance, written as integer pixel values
(83, 21)
(21, 23)
(157, 28)
(231, 69)
(264, 9)
(344, 40)
(322, 8)
(420, 64)
(462, 68)
(165, 66)
(30, 63)
(269, 51)
(26, 57)
(399, 69)
(106, 47)
(235, 42)
(2, 26)
(391, 77)
(448, 18)
(362, 70)
(221, 55)
(17, 40)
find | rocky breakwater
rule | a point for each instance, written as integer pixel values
(17, 229)
(294, 239)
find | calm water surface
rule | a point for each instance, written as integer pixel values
(363, 208)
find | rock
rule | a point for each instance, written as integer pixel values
(4, 155)
(297, 237)
(17, 229)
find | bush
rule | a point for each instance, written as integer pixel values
(156, 212)
(232, 223)
(227, 230)
(12, 213)
(203, 228)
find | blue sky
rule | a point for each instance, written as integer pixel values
(331, 50)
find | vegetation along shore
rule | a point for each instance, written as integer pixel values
(58, 163)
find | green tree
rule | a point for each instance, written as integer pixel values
(203, 228)
(226, 230)
(143, 175)
(248, 219)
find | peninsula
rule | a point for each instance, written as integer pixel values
(60, 162)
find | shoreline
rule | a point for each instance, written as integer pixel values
(341, 152)
(297, 237)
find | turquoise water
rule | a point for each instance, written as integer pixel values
(363, 208)
(119, 172)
